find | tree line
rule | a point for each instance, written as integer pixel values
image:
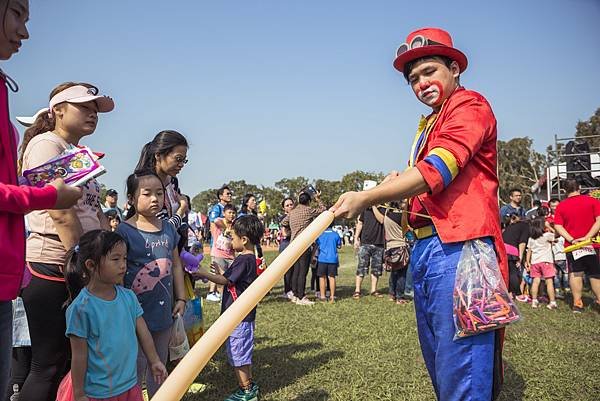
(286, 187)
(519, 166)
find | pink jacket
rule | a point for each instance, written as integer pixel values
(15, 202)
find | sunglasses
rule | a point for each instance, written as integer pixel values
(416, 42)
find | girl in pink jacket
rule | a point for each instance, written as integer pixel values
(15, 200)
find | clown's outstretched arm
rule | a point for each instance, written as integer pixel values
(396, 186)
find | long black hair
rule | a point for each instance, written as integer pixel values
(163, 143)
(536, 227)
(93, 245)
(244, 209)
(133, 184)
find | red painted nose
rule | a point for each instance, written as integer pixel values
(424, 85)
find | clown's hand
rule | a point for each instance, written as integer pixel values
(391, 175)
(349, 205)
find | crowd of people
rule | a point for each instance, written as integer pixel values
(535, 240)
(97, 280)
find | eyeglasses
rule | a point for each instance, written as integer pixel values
(417, 41)
(180, 159)
(227, 194)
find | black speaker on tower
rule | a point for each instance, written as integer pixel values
(580, 164)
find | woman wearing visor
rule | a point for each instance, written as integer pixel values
(72, 114)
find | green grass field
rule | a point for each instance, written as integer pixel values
(367, 349)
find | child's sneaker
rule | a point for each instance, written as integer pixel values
(552, 305)
(213, 297)
(535, 303)
(559, 294)
(245, 395)
(522, 298)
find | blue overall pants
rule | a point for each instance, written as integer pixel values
(459, 370)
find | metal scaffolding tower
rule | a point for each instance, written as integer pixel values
(557, 159)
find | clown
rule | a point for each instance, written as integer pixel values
(452, 185)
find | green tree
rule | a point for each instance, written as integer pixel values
(330, 190)
(239, 189)
(204, 200)
(519, 166)
(103, 190)
(291, 186)
(273, 197)
(589, 128)
(354, 181)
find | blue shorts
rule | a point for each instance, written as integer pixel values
(240, 345)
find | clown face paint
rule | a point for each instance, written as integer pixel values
(431, 93)
(433, 82)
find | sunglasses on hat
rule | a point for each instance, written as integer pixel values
(417, 41)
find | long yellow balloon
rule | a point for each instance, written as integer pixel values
(190, 366)
(581, 244)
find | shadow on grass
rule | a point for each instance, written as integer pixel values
(513, 388)
(274, 368)
(313, 395)
(341, 292)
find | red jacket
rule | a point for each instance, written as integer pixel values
(15, 202)
(459, 163)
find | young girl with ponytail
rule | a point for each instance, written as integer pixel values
(104, 322)
(154, 270)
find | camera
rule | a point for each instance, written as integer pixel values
(310, 190)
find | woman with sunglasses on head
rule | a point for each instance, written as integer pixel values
(72, 115)
(15, 200)
(166, 155)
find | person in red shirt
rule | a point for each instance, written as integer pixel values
(453, 183)
(577, 219)
(552, 205)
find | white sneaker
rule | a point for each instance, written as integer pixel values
(213, 297)
(552, 305)
(304, 301)
(294, 299)
(289, 295)
(535, 303)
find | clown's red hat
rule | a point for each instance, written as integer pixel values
(428, 42)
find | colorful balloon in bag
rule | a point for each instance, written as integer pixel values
(481, 301)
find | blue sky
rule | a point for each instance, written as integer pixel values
(271, 89)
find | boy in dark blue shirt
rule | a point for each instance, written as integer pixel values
(327, 262)
(247, 232)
